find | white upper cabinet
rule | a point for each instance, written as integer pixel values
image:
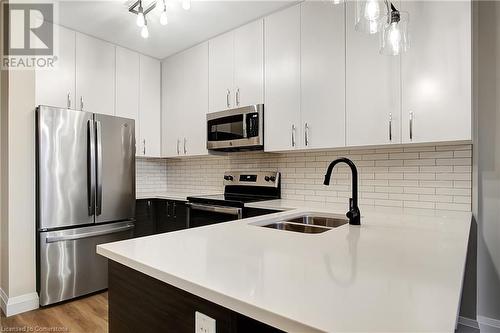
(282, 80)
(127, 87)
(172, 90)
(373, 89)
(56, 87)
(322, 75)
(221, 72)
(95, 75)
(186, 102)
(436, 72)
(150, 109)
(195, 106)
(249, 64)
(236, 68)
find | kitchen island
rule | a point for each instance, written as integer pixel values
(401, 270)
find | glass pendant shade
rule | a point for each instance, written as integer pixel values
(140, 19)
(368, 15)
(394, 36)
(145, 31)
(186, 4)
(163, 18)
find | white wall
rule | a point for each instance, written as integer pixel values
(487, 158)
(18, 194)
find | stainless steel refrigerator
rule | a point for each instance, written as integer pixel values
(85, 167)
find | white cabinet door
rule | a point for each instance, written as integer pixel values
(249, 64)
(282, 80)
(221, 69)
(127, 87)
(373, 89)
(56, 87)
(149, 110)
(95, 75)
(195, 107)
(436, 72)
(172, 116)
(322, 75)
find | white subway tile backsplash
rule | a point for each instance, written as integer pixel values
(433, 177)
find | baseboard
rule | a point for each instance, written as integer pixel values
(488, 324)
(468, 322)
(19, 304)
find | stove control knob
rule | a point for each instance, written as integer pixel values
(270, 179)
(228, 177)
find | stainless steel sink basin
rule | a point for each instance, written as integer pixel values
(308, 224)
(322, 221)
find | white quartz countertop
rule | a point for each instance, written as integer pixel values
(399, 271)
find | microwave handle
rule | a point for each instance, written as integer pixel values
(245, 131)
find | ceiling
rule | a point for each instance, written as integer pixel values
(111, 21)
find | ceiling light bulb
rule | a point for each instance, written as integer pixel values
(140, 19)
(145, 31)
(372, 10)
(186, 4)
(163, 18)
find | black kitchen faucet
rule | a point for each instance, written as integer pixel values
(353, 214)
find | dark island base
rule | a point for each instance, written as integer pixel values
(140, 303)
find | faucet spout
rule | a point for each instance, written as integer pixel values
(353, 214)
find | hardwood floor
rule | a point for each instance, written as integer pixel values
(85, 315)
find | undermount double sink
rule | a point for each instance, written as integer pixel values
(307, 223)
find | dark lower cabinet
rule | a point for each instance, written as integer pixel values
(145, 223)
(171, 216)
(155, 216)
(140, 303)
(251, 212)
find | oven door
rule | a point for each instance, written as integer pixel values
(236, 129)
(199, 214)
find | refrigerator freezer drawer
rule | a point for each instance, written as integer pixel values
(69, 264)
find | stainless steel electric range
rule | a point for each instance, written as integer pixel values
(240, 188)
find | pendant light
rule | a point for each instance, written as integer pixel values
(163, 15)
(144, 30)
(186, 4)
(368, 14)
(394, 35)
(140, 15)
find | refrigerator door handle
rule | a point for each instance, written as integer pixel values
(99, 168)
(91, 177)
(89, 234)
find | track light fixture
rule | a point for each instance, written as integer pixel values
(141, 12)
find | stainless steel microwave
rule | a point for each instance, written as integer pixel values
(236, 129)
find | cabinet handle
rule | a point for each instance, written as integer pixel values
(185, 149)
(81, 103)
(69, 100)
(411, 125)
(228, 94)
(178, 149)
(168, 212)
(306, 134)
(238, 97)
(144, 147)
(293, 135)
(390, 126)
(174, 210)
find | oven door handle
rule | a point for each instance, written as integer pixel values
(217, 209)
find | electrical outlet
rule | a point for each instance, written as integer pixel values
(203, 323)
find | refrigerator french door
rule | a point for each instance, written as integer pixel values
(85, 196)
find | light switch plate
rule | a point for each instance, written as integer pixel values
(203, 323)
